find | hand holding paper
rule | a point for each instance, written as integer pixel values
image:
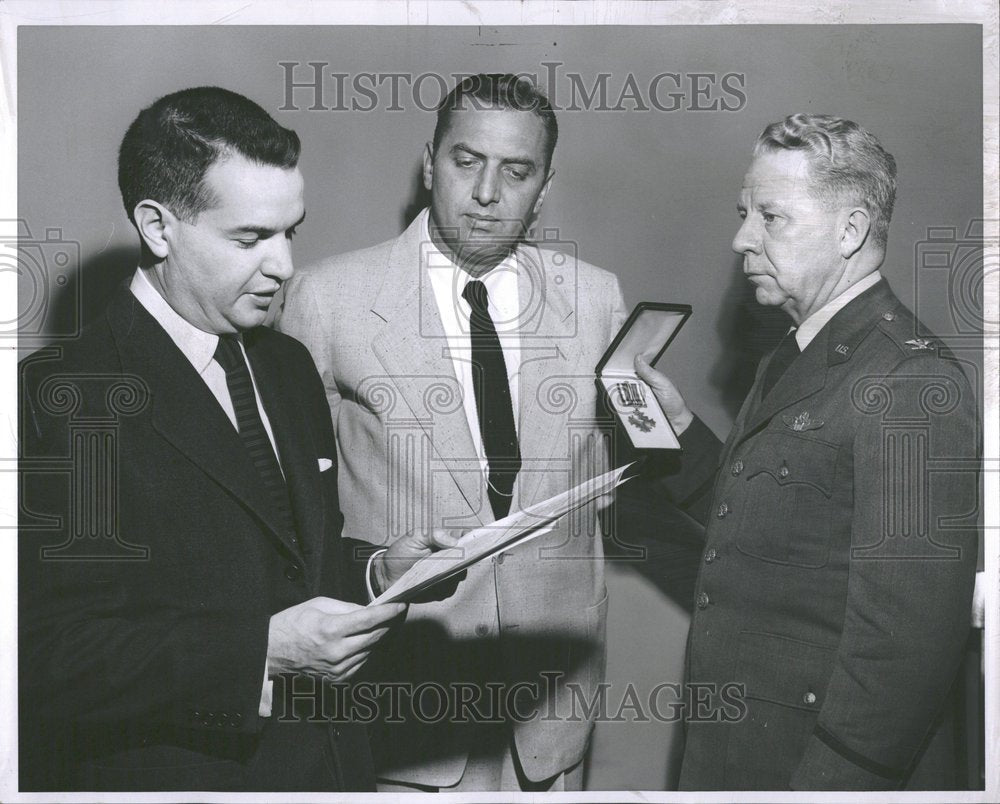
(504, 534)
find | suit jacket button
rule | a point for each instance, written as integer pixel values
(710, 555)
(482, 630)
(293, 572)
(723, 510)
(702, 600)
(809, 698)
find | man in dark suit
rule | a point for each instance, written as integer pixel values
(191, 570)
(840, 515)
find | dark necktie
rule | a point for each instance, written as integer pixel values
(493, 404)
(252, 433)
(787, 351)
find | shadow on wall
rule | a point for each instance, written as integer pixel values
(747, 331)
(86, 291)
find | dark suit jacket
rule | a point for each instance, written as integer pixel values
(839, 560)
(150, 565)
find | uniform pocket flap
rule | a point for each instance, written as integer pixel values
(784, 670)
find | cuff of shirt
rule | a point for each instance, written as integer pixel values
(266, 695)
(368, 573)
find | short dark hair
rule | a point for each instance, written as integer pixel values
(847, 163)
(172, 143)
(498, 91)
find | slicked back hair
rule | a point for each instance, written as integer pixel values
(172, 143)
(498, 91)
(848, 165)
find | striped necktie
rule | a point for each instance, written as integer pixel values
(229, 355)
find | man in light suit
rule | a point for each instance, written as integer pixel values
(840, 542)
(458, 361)
(191, 568)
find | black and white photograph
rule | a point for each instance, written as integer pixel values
(523, 401)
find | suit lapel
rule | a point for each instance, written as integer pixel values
(295, 443)
(548, 330)
(184, 412)
(412, 348)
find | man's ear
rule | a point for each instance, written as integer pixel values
(854, 231)
(428, 166)
(155, 223)
(541, 195)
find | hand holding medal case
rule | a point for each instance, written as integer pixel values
(648, 331)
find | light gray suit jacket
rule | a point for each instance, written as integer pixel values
(533, 618)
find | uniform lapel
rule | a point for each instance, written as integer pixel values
(184, 412)
(412, 348)
(835, 343)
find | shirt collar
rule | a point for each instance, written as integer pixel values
(809, 328)
(499, 278)
(197, 345)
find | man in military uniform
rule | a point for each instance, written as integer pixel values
(838, 566)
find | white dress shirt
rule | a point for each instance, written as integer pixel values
(199, 347)
(448, 281)
(811, 326)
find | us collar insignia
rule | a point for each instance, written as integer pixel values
(802, 421)
(919, 344)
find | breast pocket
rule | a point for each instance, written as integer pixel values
(788, 512)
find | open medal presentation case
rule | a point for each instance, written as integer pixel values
(648, 331)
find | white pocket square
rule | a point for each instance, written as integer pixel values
(324, 464)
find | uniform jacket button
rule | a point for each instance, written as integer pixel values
(482, 630)
(723, 510)
(293, 572)
(702, 600)
(783, 472)
(710, 555)
(809, 698)
(737, 467)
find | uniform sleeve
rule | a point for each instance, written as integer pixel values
(912, 567)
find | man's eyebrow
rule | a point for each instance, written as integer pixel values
(512, 160)
(264, 231)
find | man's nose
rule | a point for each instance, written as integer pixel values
(487, 189)
(278, 263)
(747, 237)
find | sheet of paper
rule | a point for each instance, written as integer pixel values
(504, 534)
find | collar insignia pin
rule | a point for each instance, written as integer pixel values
(841, 349)
(919, 344)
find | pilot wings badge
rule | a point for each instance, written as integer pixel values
(802, 421)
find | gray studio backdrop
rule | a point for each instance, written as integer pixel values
(656, 126)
